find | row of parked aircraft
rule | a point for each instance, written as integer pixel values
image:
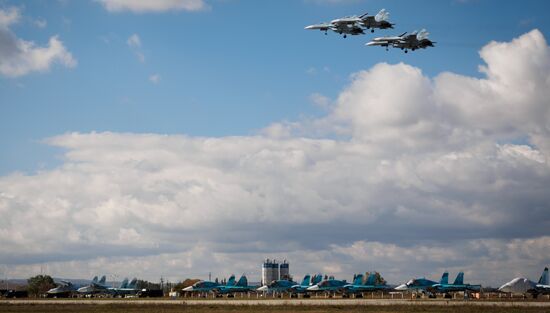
(66, 288)
(361, 284)
(356, 25)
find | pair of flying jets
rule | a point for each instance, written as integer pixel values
(356, 25)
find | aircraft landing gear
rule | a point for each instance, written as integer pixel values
(406, 51)
(372, 30)
(345, 36)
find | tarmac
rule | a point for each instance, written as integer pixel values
(289, 302)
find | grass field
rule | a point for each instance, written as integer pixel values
(168, 308)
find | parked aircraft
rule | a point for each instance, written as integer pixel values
(422, 284)
(355, 25)
(205, 286)
(414, 41)
(328, 285)
(523, 285)
(278, 286)
(94, 287)
(240, 286)
(370, 285)
(457, 285)
(125, 288)
(64, 290)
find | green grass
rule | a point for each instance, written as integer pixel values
(168, 308)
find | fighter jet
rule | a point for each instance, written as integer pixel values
(379, 21)
(125, 288)
(370, 285)
(94, 287)
(64, 290)
(207, 286)
(289, 286)
(355, 25)
(414, 41)
(457, 285)
(240, 286)
(422, 284)
(328, 285)
(523, 285)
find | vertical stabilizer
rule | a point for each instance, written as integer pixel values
(243, 281)
(543, 280)
(459, 279)
(444, 278)
(231, 281)
(317, 279)
(102, 280)
(358, 279)
(133, 283)
(94, 280)
(306, 280)
(371, 279)
(124, 283)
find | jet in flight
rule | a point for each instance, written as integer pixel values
(355, 25)
(379, 21)
(457, 285)
(414, 41)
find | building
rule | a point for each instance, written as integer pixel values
(270, 271)
(284, 272)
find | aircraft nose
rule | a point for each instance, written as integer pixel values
(504, 288)
(309, 27)
(401, 287)
(190, 288)
(263, 288)
(313, 288)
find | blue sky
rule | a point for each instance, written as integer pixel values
(180, 137)
(231, 69)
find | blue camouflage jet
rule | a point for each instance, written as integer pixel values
(370, 285)
(422, 284)
(207, 286)
(231, 287)
(328, 285)
(457, 285)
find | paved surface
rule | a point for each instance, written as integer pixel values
(289, 302)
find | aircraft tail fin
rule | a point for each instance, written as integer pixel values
(243, 281)
(94, 280)
(371, 279)
(133, 283)
(124, 283)
(544, 277)
(459, 279)
(102, 280)
(317, 279)
(231, 281)
(358, 279)
(383, 15)
(306, 280)
(444, 278)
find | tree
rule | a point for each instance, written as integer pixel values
(39, 284)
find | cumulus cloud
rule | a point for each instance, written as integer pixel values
(144, 6)
(449, 173)
(19, 57)
(155, 78)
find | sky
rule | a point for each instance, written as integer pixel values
(180, 137)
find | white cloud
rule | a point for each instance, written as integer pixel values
(431, 174)
(134, 41)
(19, 57)
(40, 23)
(155, 78)
(143, 6)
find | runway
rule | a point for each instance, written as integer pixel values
(283, 302)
